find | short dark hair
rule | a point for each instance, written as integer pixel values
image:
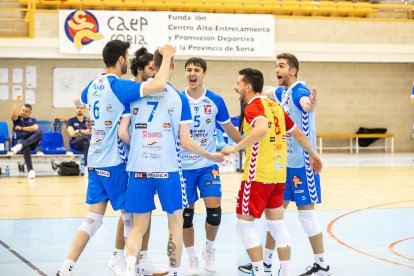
(158, 60)
(141, 59)
(113, 50)
(253, 77)
(197, 62)
(28, 106)
(292, 61)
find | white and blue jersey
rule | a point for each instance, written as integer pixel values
(205, 111)
(106, 97)
(305, 121)
(155, 120)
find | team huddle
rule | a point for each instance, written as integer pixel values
(149, 138)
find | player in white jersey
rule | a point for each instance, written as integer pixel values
(142, 68)
(106, 97)
(159, 126)
(302, 185)
(201, 174)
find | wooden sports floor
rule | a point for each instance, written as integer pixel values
(367, 216)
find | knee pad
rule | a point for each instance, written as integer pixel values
(213, 216)
(279, 232)
(91, 224)
(127, 218)
(188, 215)
(309, 222)
(247, 233)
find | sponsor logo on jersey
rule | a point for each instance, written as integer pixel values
(213, 182)
(157, 175)
(151, 143)
(92, 122)
(207, 109)
(203, 141)
(151, 134)
(82, 28)
(196, 109)
(149, 155)
(196, 133)
(272, 139)
(296, 180)
(166, 125)
(140, 125)
(214, 173)
(135, 111)
(103, 173)
(278, 166)
(171, 110)
(109, 108)
(189, 156)
(208, 121)
(98, 141)
(99, 132)
(108, 123)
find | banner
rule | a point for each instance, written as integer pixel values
(193, 34)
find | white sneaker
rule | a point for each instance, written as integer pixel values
(138, 270)
(194, 267)
(117, 264)
(17, 148)
(32, 174)
(208, 258)
(131, 272)
(149, 269)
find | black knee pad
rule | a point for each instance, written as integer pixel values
(188, 215)
(214, 216)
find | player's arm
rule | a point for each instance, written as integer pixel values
(163, 75)
(123, 130)
(309, 103)
(260, 128)
(15, 108)
(188, 144)
(315, 160)
(232, 132)
(32, 128)
(269, 91)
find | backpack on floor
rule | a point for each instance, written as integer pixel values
(68, 168)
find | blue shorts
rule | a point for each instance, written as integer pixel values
(206, 179)
(301, 187)
(143, 186)
(107, 183)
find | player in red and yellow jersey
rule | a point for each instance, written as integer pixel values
(265, 125)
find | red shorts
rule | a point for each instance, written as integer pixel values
(255, 197)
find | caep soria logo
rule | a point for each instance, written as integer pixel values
(82, 28)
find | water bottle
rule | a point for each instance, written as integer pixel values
(82, 168)
(7, 171)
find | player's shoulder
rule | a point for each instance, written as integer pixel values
(216, 98)
(301, 87)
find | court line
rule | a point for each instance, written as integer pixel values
(330, 232)
(391, 248)
(24, 260)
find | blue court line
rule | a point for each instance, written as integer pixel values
(32, 266)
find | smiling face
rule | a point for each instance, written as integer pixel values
(194, 75)
(284, 73)
(240, 87)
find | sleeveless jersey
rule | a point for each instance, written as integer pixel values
(266, 159)
(305, 121)
(205, 111)
(155, 120)
(106, 97)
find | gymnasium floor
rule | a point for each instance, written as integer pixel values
(367, 217)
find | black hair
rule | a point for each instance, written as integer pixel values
(113, 50)
(197, 62)
(28, 106)
(292, 61)
(253, 77)
(141, 59)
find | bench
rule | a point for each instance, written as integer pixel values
(387, 144)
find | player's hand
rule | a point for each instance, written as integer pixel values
(228, 150)
(315, 163)
(312, 96)
(217, 157)
(18, 97)
(168, 50)
(18, 128)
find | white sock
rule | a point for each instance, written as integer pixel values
(119, 253)
(143, 255)
(258, 267)
(190, 251)
(67, 266)
(209, 245)
(284, 268)
(267, 256)
(173, 271)
(131, 261)
(320, 260)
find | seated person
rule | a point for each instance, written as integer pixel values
(26, 133)
(79, 132)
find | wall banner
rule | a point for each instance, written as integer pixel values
(194, 34)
